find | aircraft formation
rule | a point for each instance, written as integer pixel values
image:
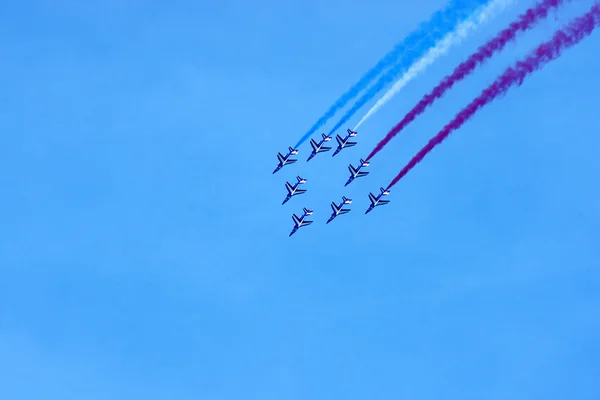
(401, 66)
(355, 172)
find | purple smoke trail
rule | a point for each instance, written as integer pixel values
(525, 21)
(563, 39)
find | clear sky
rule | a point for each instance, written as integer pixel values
(144, 250)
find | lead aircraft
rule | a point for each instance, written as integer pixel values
(300, 222)
(376, 201)
(356, 172)
(345, 141)
(338, 210)
(284, 160)
(318, 147)
(293, 190)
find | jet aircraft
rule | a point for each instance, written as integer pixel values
(284, 160)
(376, 201)
(356, 172)
(318, 147)
(293, 190)
(300, 222)
(345, 141)
(337, 210)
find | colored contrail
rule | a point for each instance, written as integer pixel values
(440, 40)
(524, 22)
(563, 39)
(416, 43)
(442, 48)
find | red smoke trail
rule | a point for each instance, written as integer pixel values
(525, 21)
(567, 37)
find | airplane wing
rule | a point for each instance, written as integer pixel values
(334, 207)
(304, 223)
(300, 191)
(280, 157)
(344, 210)
(339, 139)
(363, 173)
(372, 198)
(352, 169)
(350, 144)
(383, 201)
(323, 148)
(289, 188)
(296, 220)
(314, 144)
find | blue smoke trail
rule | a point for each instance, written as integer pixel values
(453, 18)
(424, 37)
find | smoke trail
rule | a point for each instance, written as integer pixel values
(563, 39)
(442, 48)
(525, 21)
(423, 37)
(407, 60)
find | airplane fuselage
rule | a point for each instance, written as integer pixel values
(355, 173)
(318, 147)
(377, 200)
(300, 222)
(285, 160)
(338, 210)
(294, 190)
(298, 226)
(345, 142)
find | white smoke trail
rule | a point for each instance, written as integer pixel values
(463, 30)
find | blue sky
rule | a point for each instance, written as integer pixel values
(144, 251)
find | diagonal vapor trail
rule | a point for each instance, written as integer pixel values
(570, 35)
(425, 36)
(442, 48)
(438, 44)
(524, 22)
